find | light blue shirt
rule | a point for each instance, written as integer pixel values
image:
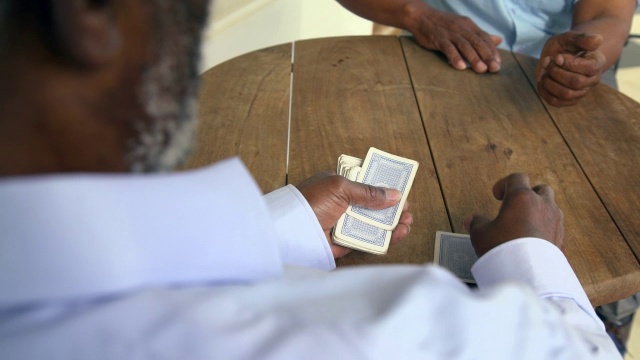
(524, 25)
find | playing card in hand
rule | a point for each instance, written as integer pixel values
(365, 234)
(390, 171)
(353, 233)
(349, 166)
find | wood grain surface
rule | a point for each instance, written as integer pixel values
(482, 127)
(604, 134)
(350, 95)
(466, 130)
(244, 111)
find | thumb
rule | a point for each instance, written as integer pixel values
(372, 197)
(541, 67)
(574, 42)
(497, 40)
(473, 224)
(589, 42)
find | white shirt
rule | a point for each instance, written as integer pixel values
(196, 265)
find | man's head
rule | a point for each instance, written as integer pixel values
(97, 85)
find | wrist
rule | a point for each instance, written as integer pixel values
(414, 14)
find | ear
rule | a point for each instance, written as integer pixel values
(85, 31)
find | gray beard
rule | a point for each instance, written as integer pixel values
(165, 142)
(168, 93)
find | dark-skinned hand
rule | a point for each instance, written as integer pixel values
(570, 65)
(329, 195)
(525, 212)
(458, 37)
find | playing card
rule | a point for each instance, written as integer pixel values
(455, 252)
(385, 170)
(356, 234)
(349, 166)
(363, 233)
(346, 160)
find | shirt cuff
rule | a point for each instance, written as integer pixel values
(300, 238)
(535, 262)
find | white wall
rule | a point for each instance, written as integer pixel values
(240, 26)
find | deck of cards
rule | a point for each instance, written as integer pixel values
(365, 229)
(455, 252)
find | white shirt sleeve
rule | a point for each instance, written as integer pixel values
(85, 235)
(543, 267)
(384, 312)
(301, 239)
(537, 263)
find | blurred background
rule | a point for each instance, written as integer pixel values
(240, 26)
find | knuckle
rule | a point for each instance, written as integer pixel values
(564, 93)
(371, 192)
(337, 181)
(593, 70)
(447, 46)
(576, 82)
(450, 50)
(520, 176)
(541, 188)
(477, 42)
(522, 196)
(456, 39)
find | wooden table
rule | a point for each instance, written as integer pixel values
(289, 117)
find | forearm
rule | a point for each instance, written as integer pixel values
(612, 21)
(403, 14)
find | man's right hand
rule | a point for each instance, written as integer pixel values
(525, 212)
(458, 37)
(570, 65)
(329, 195)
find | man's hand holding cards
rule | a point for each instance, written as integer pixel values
(365, 229)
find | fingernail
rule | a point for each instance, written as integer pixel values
(393, 194)
(559, 60)
(546, 61)
(482, 67)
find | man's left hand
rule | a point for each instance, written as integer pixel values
(329, 195)
(570, 65)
